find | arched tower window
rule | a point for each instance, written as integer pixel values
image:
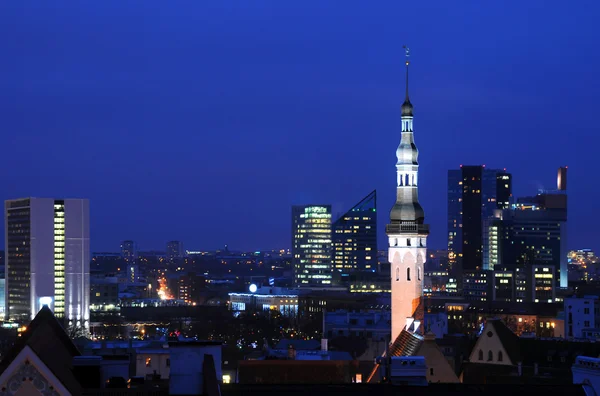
(490, 356)
(397, 274)
(418, 273)
(407, 181)
(408, 273)
(480, 354)
(500, 357)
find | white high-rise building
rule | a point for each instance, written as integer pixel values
(407, 232)
(48, 258)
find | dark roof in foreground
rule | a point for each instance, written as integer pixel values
(387, 389)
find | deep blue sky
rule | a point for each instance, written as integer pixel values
(205, 121)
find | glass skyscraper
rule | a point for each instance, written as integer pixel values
(311, 245)
(473, 196)
(355, 238)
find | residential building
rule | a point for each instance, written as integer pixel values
(129, 251)
(174, 250)
(582, 315)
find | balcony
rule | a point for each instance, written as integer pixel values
(412, 228)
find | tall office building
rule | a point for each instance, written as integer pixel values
(529, 240)
(355, 238)
(48, 258)
(311, 245)
(407, 232)
(538, 232)
(472, 198)
(174, 250)
(129, 251)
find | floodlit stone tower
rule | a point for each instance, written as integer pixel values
(407, 231)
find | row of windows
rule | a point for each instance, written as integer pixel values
(408, 274)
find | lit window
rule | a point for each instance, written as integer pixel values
(148, 362)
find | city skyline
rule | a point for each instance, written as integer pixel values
(102, 125)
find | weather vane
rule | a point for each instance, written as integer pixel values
(407, 50)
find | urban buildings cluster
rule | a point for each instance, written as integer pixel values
(505, 304)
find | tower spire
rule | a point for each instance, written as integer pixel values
(407, 52)
(407, 107)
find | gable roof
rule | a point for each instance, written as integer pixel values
(509, 340)
(48, 340)
(27, 365)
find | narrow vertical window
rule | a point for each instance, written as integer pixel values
(408, 274)
(418, 273)
(397, 273)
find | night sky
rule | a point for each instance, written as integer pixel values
(204, 121)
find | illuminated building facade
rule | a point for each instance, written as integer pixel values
(129, 251)
(407, 232)
(39, 230)
(174, 250)
(311, 245)
(472, 197)
(355, 238)
(189, 288)
(265, 299)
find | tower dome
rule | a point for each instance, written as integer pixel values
(407, 107)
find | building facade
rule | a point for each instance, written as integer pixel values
(174, 250)
(474, 193)
(354, 238)
(48, 258)
(582, 316)
(407, 231)
(311, 245)
(129, 251)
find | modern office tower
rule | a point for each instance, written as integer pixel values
(472, 198)
(311, 245)
(355, 238)
(129, 251)
(407, 232)
(538, 233)
(48, 258)
(174, 250)
(503, 190)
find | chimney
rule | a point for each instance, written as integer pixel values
(291, 352)
(561, 180)
(324, 345)
(520, 368)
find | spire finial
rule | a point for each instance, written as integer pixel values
(407, 108)
(407, 51)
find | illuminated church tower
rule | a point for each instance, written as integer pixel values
(407, 232)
